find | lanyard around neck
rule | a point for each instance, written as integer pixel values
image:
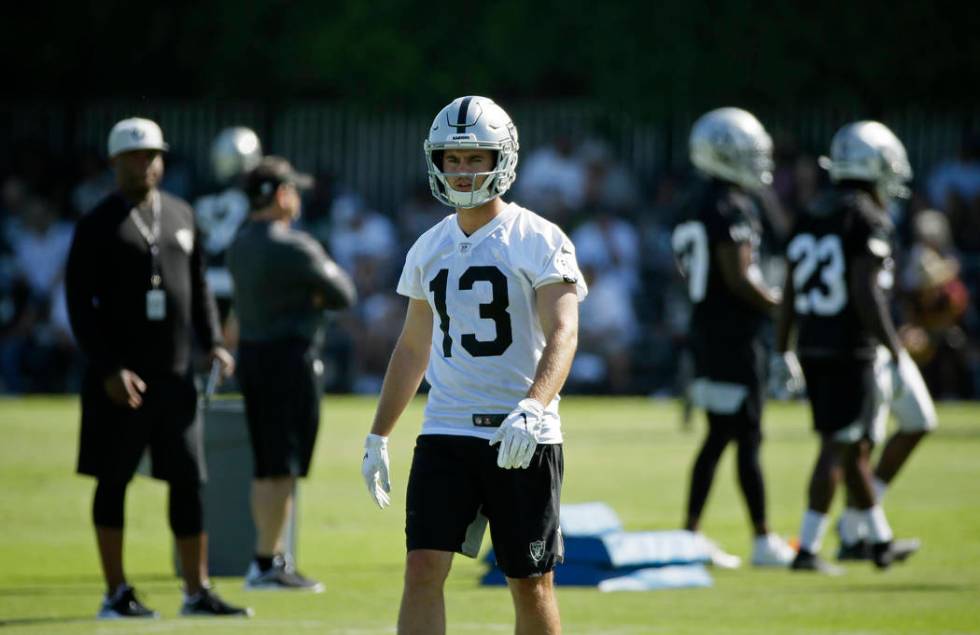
(151, 235)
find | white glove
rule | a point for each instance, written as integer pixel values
(786, 373)
(903, 373)
(375, 469)
(518, 435)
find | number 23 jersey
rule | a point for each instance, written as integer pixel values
(486, 335)
(840, 228)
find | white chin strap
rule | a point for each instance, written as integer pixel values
(473, 198)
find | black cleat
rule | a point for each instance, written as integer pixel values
(806, 561)
(206, 603)
(885, 554)
(860, 550)
(123, 605)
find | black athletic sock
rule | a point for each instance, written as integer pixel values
(264, 562)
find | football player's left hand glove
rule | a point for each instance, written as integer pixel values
(518, 435)
(787, 374)
(374, 469)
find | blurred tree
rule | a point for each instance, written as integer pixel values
(655, 57)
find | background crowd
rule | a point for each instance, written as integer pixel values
(619, 216)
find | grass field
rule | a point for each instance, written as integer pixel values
(630, 453)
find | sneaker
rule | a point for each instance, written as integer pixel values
(123, 605)
(281, 576)
(206, 603)
(806, 561)
(772, 551)
(860, 550)
(718, 556)
(885, 554)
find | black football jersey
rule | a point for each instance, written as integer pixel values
(841, 227)
(720, 214)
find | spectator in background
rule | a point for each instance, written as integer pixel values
(357, 232)
(95, 182)
(608, 185)
(553, 181)
(14, 294)
(610, 245)
(608, 328)
(38, 353)
(954, 187)
(418, 213)
(317, 204)
(372, 325)
(935, 301)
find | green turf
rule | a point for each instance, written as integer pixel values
(633, 454)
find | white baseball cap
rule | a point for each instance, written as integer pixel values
(135, 134)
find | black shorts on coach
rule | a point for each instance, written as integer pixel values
(455, 479)
(282, 404)
(841, 392)
(113, 437)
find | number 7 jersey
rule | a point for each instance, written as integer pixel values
(840, 228)
(486, 335)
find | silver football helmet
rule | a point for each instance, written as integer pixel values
(731, 144)
(234, 152)
(869, 151)
(472, 123)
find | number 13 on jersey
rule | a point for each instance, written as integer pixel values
(495, 310)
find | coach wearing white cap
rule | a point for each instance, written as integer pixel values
(135, 134)
(136, 298)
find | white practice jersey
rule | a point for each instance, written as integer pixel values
(219, 216)
(486, 335)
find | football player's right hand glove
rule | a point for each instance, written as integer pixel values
(903, 371)
(374, 469)
(517, 435)
(786, 373)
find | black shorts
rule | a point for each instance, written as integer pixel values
(455, 480)
(721, 363)
(113, 438)
(282, 404)
(842, 395)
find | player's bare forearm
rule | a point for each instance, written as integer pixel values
(405, 369)
(786, 316)
(558, 311)
(744, 278)
(872, 304)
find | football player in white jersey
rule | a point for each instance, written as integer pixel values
(234, 153)
(492, 324)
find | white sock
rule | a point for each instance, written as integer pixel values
(880, 487)
(812, 530)
(852, 527)
(878, 528)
